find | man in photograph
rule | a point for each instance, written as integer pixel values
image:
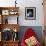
(29, 13)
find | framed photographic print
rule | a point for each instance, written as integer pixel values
(30, 13)
(5, 12)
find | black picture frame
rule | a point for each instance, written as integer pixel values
(30, 13)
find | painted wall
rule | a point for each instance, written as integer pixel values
(39, 12)
(27, 3)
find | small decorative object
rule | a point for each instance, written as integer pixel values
(15, 30)
(5, 12)
(7, 34)
(15, 36)
(30, 13)
(13, 12)
(6, 21)
(15, 3)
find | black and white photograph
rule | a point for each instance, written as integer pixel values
(30, 13)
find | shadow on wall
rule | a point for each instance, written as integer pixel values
(37, 29)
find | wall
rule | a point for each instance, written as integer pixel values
(39, 12)
(27, 3)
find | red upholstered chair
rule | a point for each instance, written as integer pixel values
(29, 33)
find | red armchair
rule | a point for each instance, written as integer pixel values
(28, 34)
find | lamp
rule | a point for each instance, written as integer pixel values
(15, 3)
